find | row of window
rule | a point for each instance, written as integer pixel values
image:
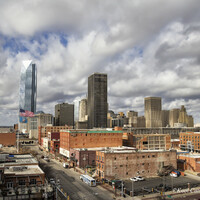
(21, 182)
(100, 158)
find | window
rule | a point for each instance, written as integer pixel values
(126, 158)
(143, 156)
(142, 163)
(121, 165)
(153, 156)
(33, 181)
(102, 158)
(115, 158)
(9, 185)
(22, 182)
(126, 173)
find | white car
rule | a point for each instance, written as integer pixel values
(139, 178)
(52, 181)
(133, 179)
(174, 175)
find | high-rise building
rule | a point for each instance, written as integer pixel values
(173, 116)
(165, 118)
(153, 109)
(64, 114)
(28, 86)
(97, 100)
(83, 110)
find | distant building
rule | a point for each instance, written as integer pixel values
(88, 139)
(153, 109)
(124, 163)
(165, 118)
(28, 86)
(40, 119)
(8, 139)
(173, 116)
(27, 91)
(83, 110)
(64, 114)
(43, 131)
(97, 101)
(147, 141)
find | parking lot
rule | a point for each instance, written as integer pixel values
(153, 185)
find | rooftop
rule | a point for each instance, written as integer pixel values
(23, 170)
(90, 131)
(17, 159)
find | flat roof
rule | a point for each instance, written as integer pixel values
(90, 131)
(104, 148)
(17, 159)
(191, 155)
(132, 150)
(23, 170)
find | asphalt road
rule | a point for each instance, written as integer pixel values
(180, 182)
(71, 183)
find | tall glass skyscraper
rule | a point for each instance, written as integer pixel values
(28, 86)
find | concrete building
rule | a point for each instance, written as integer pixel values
(83, 110)
(44, 130)
(120, 163)
(165, 118)
(8, 139)
(153, 109)
(40, 119)
(173, 116)
(147, 141)
(64, 114)
(88, 139)
(97, 101)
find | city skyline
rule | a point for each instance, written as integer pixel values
(145, 52)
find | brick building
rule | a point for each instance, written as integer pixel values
(20, 175)
(120, 163)
(190, 141)
(190, 162)
(175, 144)
(83, 157)
(7, 139)
(88, 139)
(147, 141)
(43, 131)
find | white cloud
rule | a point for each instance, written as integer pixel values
(147, 49)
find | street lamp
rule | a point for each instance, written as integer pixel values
(132, 188)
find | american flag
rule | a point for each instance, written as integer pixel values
(26, 113)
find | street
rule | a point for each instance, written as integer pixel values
(71, 183)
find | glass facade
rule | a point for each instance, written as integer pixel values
(28, 86)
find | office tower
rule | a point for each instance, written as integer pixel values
(190, 121)
(153, 109)
(97, 100)
(76, 109)
(173, 116)
(64, 114)
(83, 110)
(28, 86)
(165, 118)
(182, 115)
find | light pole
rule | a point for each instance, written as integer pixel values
(132, 188)
(122, 189)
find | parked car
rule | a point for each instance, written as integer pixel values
(139, 178)
(173, 175)
(133, 179)
(52, 181)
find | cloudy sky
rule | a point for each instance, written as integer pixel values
(147, 48)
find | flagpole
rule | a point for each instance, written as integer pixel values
(18, 134)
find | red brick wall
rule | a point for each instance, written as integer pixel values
(8, 139)
(89, 140)
(126, 165)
